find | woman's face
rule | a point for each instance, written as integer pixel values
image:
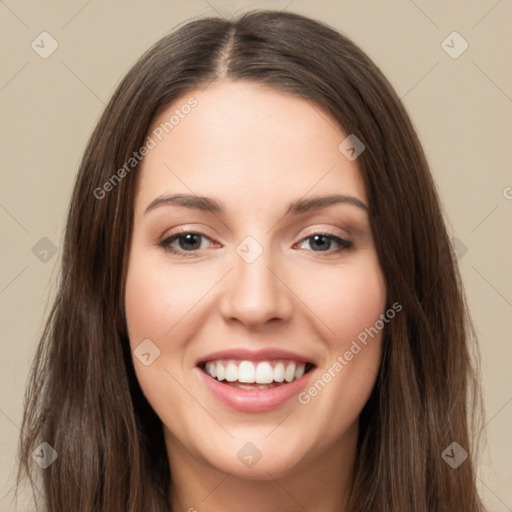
(266, 285)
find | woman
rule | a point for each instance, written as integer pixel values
(259, 307)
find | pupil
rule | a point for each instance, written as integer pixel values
(317, 237)
(189, 239)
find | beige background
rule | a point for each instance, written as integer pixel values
(462, 109)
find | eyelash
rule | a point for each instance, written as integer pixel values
(165, 243)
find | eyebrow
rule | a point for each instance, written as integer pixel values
(296, 207)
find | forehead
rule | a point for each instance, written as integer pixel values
(242, 140)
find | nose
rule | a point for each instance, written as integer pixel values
(256, 292)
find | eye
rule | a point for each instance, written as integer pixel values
(188, 242)
(324, 241)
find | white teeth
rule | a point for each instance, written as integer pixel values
(289, 374)
(279, 372)
(262, 372)
(246, 372)
(220, 371)
(299, 372)
(231, 372)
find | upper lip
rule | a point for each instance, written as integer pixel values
(265, 354)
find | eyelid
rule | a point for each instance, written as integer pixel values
(330, 231)
(164, 240)
(184, 231)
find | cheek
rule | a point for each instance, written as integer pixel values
(153, 308)
(350, 309)
(352, 300)
(157, 297)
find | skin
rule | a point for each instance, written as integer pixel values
(255, 150)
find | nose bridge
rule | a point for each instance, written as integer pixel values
(255, 292)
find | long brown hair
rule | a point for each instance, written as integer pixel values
(83, 397)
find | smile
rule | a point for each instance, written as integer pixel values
(245, 374)
(254, 382)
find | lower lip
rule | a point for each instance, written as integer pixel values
(254, 400)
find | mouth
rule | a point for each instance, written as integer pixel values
(255, 375)
(251, 382)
